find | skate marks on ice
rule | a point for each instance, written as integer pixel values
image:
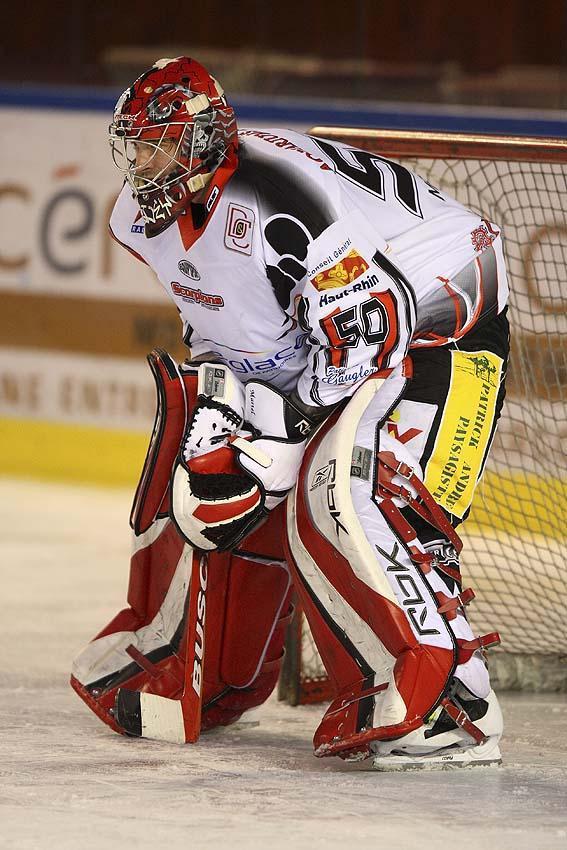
(68, 781)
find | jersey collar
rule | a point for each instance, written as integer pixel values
(193, 223)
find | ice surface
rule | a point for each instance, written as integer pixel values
(67, 781)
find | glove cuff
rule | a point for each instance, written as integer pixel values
(271, 413)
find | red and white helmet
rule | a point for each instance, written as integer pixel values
(176, 113)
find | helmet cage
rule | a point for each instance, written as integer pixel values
(199, 146)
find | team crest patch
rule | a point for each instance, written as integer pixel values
(188, 269)
(239, 229)
(481, 238)
(342, 273)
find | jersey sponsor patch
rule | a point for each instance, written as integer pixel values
(342, 273)
(197, 296)
(239, 229)
(462, 440)
(282, 142)
(250, 365)
(188, 269)
(137, 228)
(337, 376)
(360, 286)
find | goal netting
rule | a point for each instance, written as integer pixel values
(515, 539)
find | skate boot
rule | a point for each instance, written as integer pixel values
(443, 742)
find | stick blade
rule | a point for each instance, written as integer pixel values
(144, 715)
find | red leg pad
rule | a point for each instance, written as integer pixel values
(247, 613)
(376, 702)
(339, 732)
(256, 594)
(176, 396)
(268, 539)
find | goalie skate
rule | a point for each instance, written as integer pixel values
(442, 743)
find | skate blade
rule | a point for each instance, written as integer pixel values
(481, 756)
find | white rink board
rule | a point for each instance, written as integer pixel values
(67, 781)
(58, 186)
(108, 392)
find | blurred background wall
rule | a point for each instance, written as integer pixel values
(446, 50)
(77, 313)
(510, 52)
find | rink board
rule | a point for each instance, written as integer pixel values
(85, 454)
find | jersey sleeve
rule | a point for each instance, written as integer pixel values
(357, 306)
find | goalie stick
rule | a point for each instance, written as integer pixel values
(146, 715)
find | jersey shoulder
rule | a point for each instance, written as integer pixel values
(285, 176)
(298, 149)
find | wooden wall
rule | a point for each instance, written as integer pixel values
(64, 40)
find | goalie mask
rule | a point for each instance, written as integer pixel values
(172, 130)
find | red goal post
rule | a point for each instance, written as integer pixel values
(516, 536)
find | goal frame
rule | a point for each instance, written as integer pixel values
(421, 143)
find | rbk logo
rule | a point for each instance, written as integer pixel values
(332, 498)
(321, 477)
(408, 592)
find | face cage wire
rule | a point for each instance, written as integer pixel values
(124, 142)
(125, 145)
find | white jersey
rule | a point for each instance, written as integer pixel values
(319, 264)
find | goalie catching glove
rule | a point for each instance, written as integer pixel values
(219, 494)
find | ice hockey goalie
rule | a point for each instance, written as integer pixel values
(348, 349)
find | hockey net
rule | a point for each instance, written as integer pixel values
(515, 537)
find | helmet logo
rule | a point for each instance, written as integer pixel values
(161, 107)
(188, 269)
